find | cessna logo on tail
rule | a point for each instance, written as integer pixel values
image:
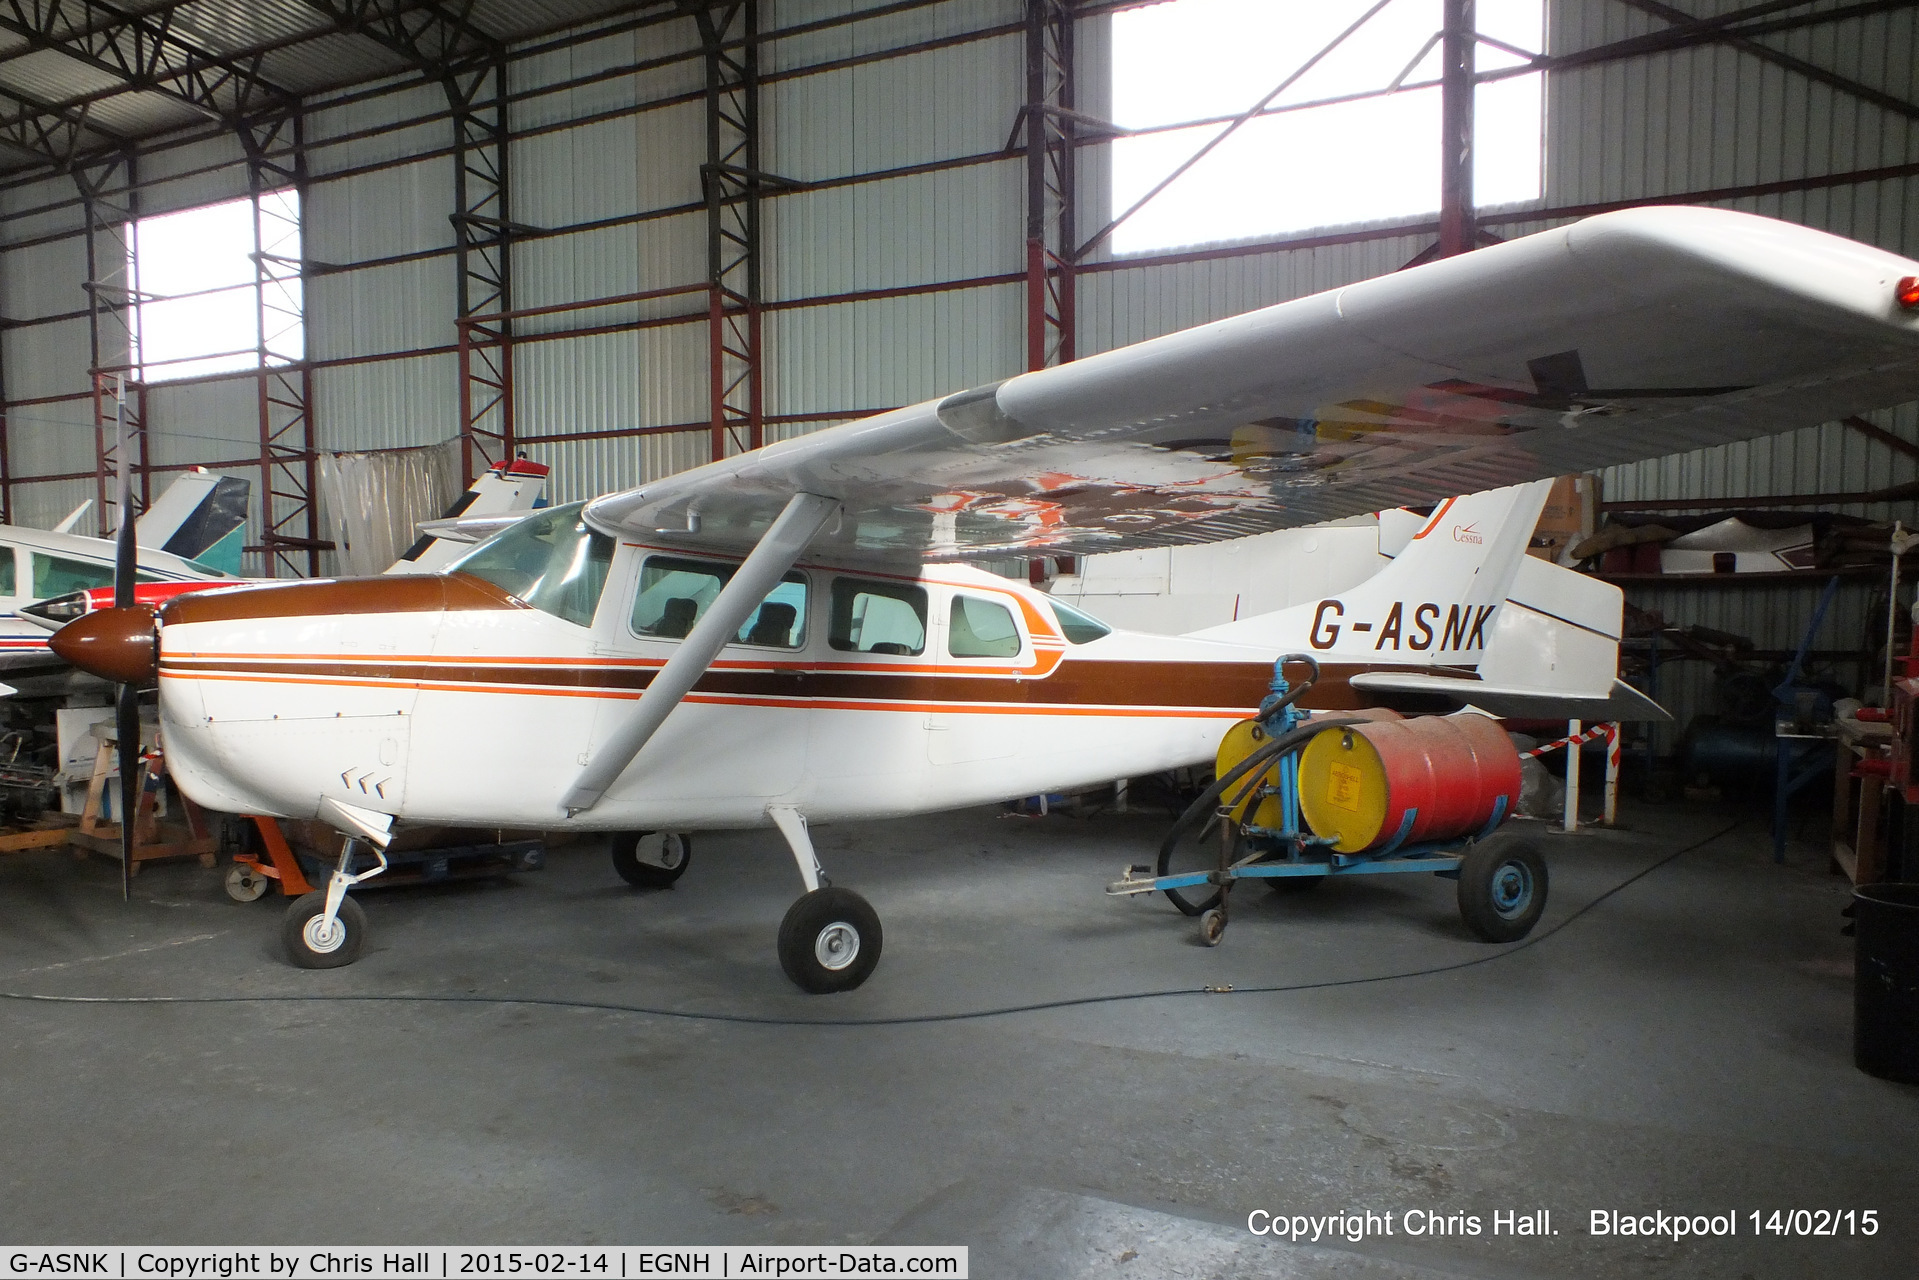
(1462, 627)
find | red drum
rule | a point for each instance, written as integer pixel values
(1449, 772)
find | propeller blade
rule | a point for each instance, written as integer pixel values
(126, 561)
(126, 557)
(127, 728)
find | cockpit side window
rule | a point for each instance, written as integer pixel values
(981, 629)
(552, 560)
(675, 593)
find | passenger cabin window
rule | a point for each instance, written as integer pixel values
(980, 629)
(9, 583)
(674, 594)
(1077, 627)
(57, 575)
(552, 560)
(877, 617)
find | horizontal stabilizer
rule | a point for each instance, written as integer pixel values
(1514, 702)
(497, 499)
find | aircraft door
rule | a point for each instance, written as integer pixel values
(741, 732)
(986, 650)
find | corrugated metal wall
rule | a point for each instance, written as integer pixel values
(1679, 122)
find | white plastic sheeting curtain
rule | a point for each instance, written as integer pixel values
(375, 501)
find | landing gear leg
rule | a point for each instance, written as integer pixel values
(326, 929)
(830, 938)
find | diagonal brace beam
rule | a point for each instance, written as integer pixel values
(782, 544)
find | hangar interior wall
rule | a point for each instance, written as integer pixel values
(892, 267)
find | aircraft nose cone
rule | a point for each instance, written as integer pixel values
(121, 645)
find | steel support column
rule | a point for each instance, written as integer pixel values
(1457, 41)
(731, 181)
(483, 234)
(1052, 230)
(110, 203)
(289, 515)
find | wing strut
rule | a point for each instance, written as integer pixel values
(762, 570)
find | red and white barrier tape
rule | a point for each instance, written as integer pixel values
(1597, 731)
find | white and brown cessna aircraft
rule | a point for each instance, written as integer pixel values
(792, 634)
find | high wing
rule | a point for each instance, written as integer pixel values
(1625, 336)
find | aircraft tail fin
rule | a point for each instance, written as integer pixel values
(1438, 602)
(200, 517)
(513, 486)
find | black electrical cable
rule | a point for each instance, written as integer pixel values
(601, 1006)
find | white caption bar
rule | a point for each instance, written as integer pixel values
(462, 1262)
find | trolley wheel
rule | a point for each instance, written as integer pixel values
(312, 947)
(1212, 926)
(245, 883)
(651, 859)
(1502, 889)
(829, 941)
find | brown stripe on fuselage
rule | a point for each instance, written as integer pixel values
(324, 597)
(1075, 682)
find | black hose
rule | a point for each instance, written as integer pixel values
(1204, 807)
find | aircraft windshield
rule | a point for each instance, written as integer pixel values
(1079, 628)
(551, 560)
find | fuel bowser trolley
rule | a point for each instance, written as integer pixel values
(1298, 800)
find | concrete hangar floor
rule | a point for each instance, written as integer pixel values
(1683, 1045)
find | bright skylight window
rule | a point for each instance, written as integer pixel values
(1312, 166)
(200, 306)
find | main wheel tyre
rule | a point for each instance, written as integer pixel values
(829, 941)
(1502, 889)
(651, 859)
(312, 946)
(245, 883)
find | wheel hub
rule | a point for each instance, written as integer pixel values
(322, 935)
(837, 946)
(1512, 889)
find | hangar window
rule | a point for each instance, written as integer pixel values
(199, 304)
(1355, 138)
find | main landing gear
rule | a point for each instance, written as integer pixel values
(651, 859)
(830, 938)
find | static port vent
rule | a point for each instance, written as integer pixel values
(1906, 293)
